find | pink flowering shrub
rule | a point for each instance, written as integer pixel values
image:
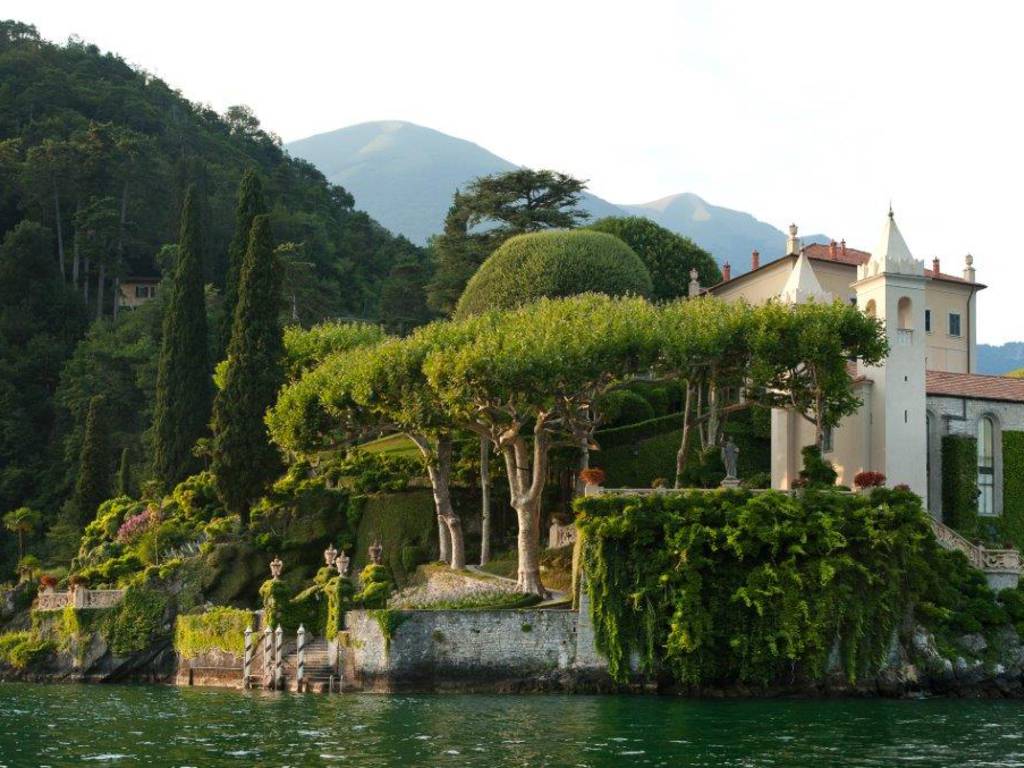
(135, 526)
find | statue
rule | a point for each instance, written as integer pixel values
(376, 552)
(276, 566)
(330, 555)
(730, 455)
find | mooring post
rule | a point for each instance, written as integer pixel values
(247, 658)
(268, 656)
(300, 669)
(278, 658)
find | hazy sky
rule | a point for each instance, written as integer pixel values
(813, 112)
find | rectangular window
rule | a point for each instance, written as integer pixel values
(954, 323)
(827, 440)
(927, 321)
(139, 291)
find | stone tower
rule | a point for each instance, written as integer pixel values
(891, 287)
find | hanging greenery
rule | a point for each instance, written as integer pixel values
(732, 586)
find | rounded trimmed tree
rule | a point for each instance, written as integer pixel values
(554, 264)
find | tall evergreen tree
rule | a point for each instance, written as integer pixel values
(182, 407)
(244, 461)
(93, 485)
(250, 205)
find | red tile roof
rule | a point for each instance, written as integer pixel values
(975, 385)
(854, 257)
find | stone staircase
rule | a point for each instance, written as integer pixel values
(321, 673)
(1002, 567)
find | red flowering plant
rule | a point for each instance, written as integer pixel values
(46, 581)
(593, 476)
(869, 479)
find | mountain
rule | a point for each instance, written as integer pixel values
(728, 234)
(404, 176)
(1000, 359)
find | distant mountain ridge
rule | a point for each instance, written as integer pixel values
(1000, 359)
(404, 176)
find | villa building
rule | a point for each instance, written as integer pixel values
(928, 388)
(136, 291)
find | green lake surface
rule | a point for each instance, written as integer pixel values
(58, 725)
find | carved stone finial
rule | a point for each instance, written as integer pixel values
(276, 567)
(342, 563)
(376, 552)
(330, 555)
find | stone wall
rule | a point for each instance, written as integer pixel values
(507, 650)
(217, 669)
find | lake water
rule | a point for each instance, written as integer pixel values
(162, 726)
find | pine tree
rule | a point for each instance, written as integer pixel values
(93, 484)
(249, 205)
(182, 407)
(244, 461)
(124, 473)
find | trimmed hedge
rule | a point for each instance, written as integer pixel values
(401, 521)
(1013, 487)
(554, 263)
(623, 407)
(960, 484)
(634, 433)
(219, 629)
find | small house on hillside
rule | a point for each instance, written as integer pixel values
(136, 291)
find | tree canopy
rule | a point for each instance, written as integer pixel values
(490, 211)
(554, 264)
(668, 257)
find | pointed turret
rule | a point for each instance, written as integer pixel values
(892, 255)
(802, 284)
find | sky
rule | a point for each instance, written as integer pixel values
(818, 113)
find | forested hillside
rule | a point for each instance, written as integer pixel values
(95, 160)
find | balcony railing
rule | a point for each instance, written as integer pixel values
(904, 337)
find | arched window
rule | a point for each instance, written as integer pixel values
(869, 308)
(903, 315)
(986, 467)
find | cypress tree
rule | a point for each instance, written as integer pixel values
(182, 407)
(124, 474)
(244, 461)
(249, 205)
(92, 487)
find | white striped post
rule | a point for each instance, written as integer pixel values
(278, 658)
(300, 670)
(247, 659)
(268, 656)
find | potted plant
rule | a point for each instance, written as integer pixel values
(593, 476)
(868, 479)
(47, 583)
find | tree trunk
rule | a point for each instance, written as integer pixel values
(117, 295)
(60, 232)
(85, 281)
(74, 265)
(526, 478)
(578, 486)
(449, 526)
(101, 278)
(120, 247)
(485, 496)
(684, 444)
(528, 517)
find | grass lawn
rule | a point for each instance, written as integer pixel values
(555, 567)
(393, 445)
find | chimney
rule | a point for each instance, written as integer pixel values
(792, 242)
(755, 260)
(726, 272)
(694, 291)
(842, 248)
(935, 266)
(969, 273)
(832, 250)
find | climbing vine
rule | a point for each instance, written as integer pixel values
(757, 588)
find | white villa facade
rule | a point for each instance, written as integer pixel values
(927, 388)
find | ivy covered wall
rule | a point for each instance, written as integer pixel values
(960, 490)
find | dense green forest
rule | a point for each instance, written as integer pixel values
(95, 160)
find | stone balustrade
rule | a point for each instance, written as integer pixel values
(561, 535)
(1001, 566)
(79, 598)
